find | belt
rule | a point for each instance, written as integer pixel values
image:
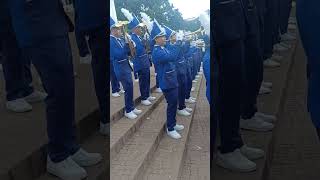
(142, 55)
(119, 61)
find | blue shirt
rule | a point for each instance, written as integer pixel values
(141, 59)
(206, 70)
(119, 55)
(164, 61)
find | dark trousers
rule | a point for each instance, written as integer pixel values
(115, 85)
(309, 33)
(81, 40)
(98, 46)
(181, 91)
(171, 96)
(253, 76)
(188, 82)
(268, 30)
(144, 82)
(53, 60)
(285, 9)
(230, 60)
(16, 68)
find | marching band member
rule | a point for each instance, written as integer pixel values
(188, 57)
(141, 60)
(119, 55)
(147, 20)
(164, 60)
(180, 65)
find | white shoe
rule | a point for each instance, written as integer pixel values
(267, 84)
(104, 129)
(18, 105)
(66, 169)
(192, 89)
(269, 63)
(183, 112)
(190, 100)
(174, 134)
(122, 91)
(85, 159)
(265, 117)
(251, 153)
(158, 90)
(115, 94)
(264, 90)
(130, 115)
(178, 127)
(285, 44)
(277, 58)
(198, 76)
(287, 37)
(194, 81)
(137, 111)
(188, 109)
(152, 98)
(235, 161)
(136, 80)
(292, 26)
(255, 124)
(279, 47)
(86, 60)
(36, 96)
(146, 102)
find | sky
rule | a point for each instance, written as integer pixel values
(191, 8)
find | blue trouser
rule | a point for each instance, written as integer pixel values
(181, 90)
(171, 96)
(126, 80)
(188, 81)
(114, 81)
(268, 37)
(53, 60)
(157, 77)
(307, 15)
(16, 68)
(230, 60)
(98, 46)
(285, 9)
(144, 82)
(253, 73)
(81, 40)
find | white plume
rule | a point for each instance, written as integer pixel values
(127, 14)
(205, 22)
(147, 20)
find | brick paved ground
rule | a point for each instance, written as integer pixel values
(296, 146)
(196, 165)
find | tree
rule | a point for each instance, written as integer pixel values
(161, 10)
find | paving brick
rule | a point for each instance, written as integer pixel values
(196, 165)
(296, 150)
(167, 161)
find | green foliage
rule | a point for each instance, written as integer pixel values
(161, 10)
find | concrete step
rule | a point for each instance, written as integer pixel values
(123, 129)
(196, 165)
(168, 159)
(270, 104)
(117, 104)
(95, 143)
(132, 159)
